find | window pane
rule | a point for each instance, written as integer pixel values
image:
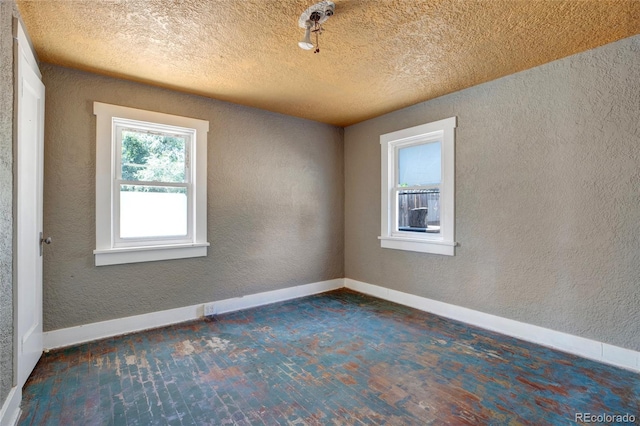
(419, 210)
(152, 211)
(419, 165)
(153, 157)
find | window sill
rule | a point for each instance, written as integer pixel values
(116, 256)
(421, 245)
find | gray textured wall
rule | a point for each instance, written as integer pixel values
(7, 11)
(275, 205)
(547, 198)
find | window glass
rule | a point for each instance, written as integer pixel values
(152, 211)
(419, 210)
(152, 157)
(419, 165)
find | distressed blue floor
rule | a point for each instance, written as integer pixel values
(335, 358)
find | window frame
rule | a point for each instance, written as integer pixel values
(110, 248)
(390, 143)
(121, 125)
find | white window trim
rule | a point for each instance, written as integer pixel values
(390, 237)
(108, 251)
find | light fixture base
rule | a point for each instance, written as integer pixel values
(319, 13)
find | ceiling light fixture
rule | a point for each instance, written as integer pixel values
(311, 20)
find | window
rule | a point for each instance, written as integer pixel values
(151, 177)
(418, 188)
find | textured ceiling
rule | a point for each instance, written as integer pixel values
(376, 55)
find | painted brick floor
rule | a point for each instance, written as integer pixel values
(336, 358)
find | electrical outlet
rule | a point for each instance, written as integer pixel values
(209, 309)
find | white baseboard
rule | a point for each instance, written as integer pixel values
(586, 348)
(259, 299)
(100, 330)
(10, 411)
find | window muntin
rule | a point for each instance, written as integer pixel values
(418, 188)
